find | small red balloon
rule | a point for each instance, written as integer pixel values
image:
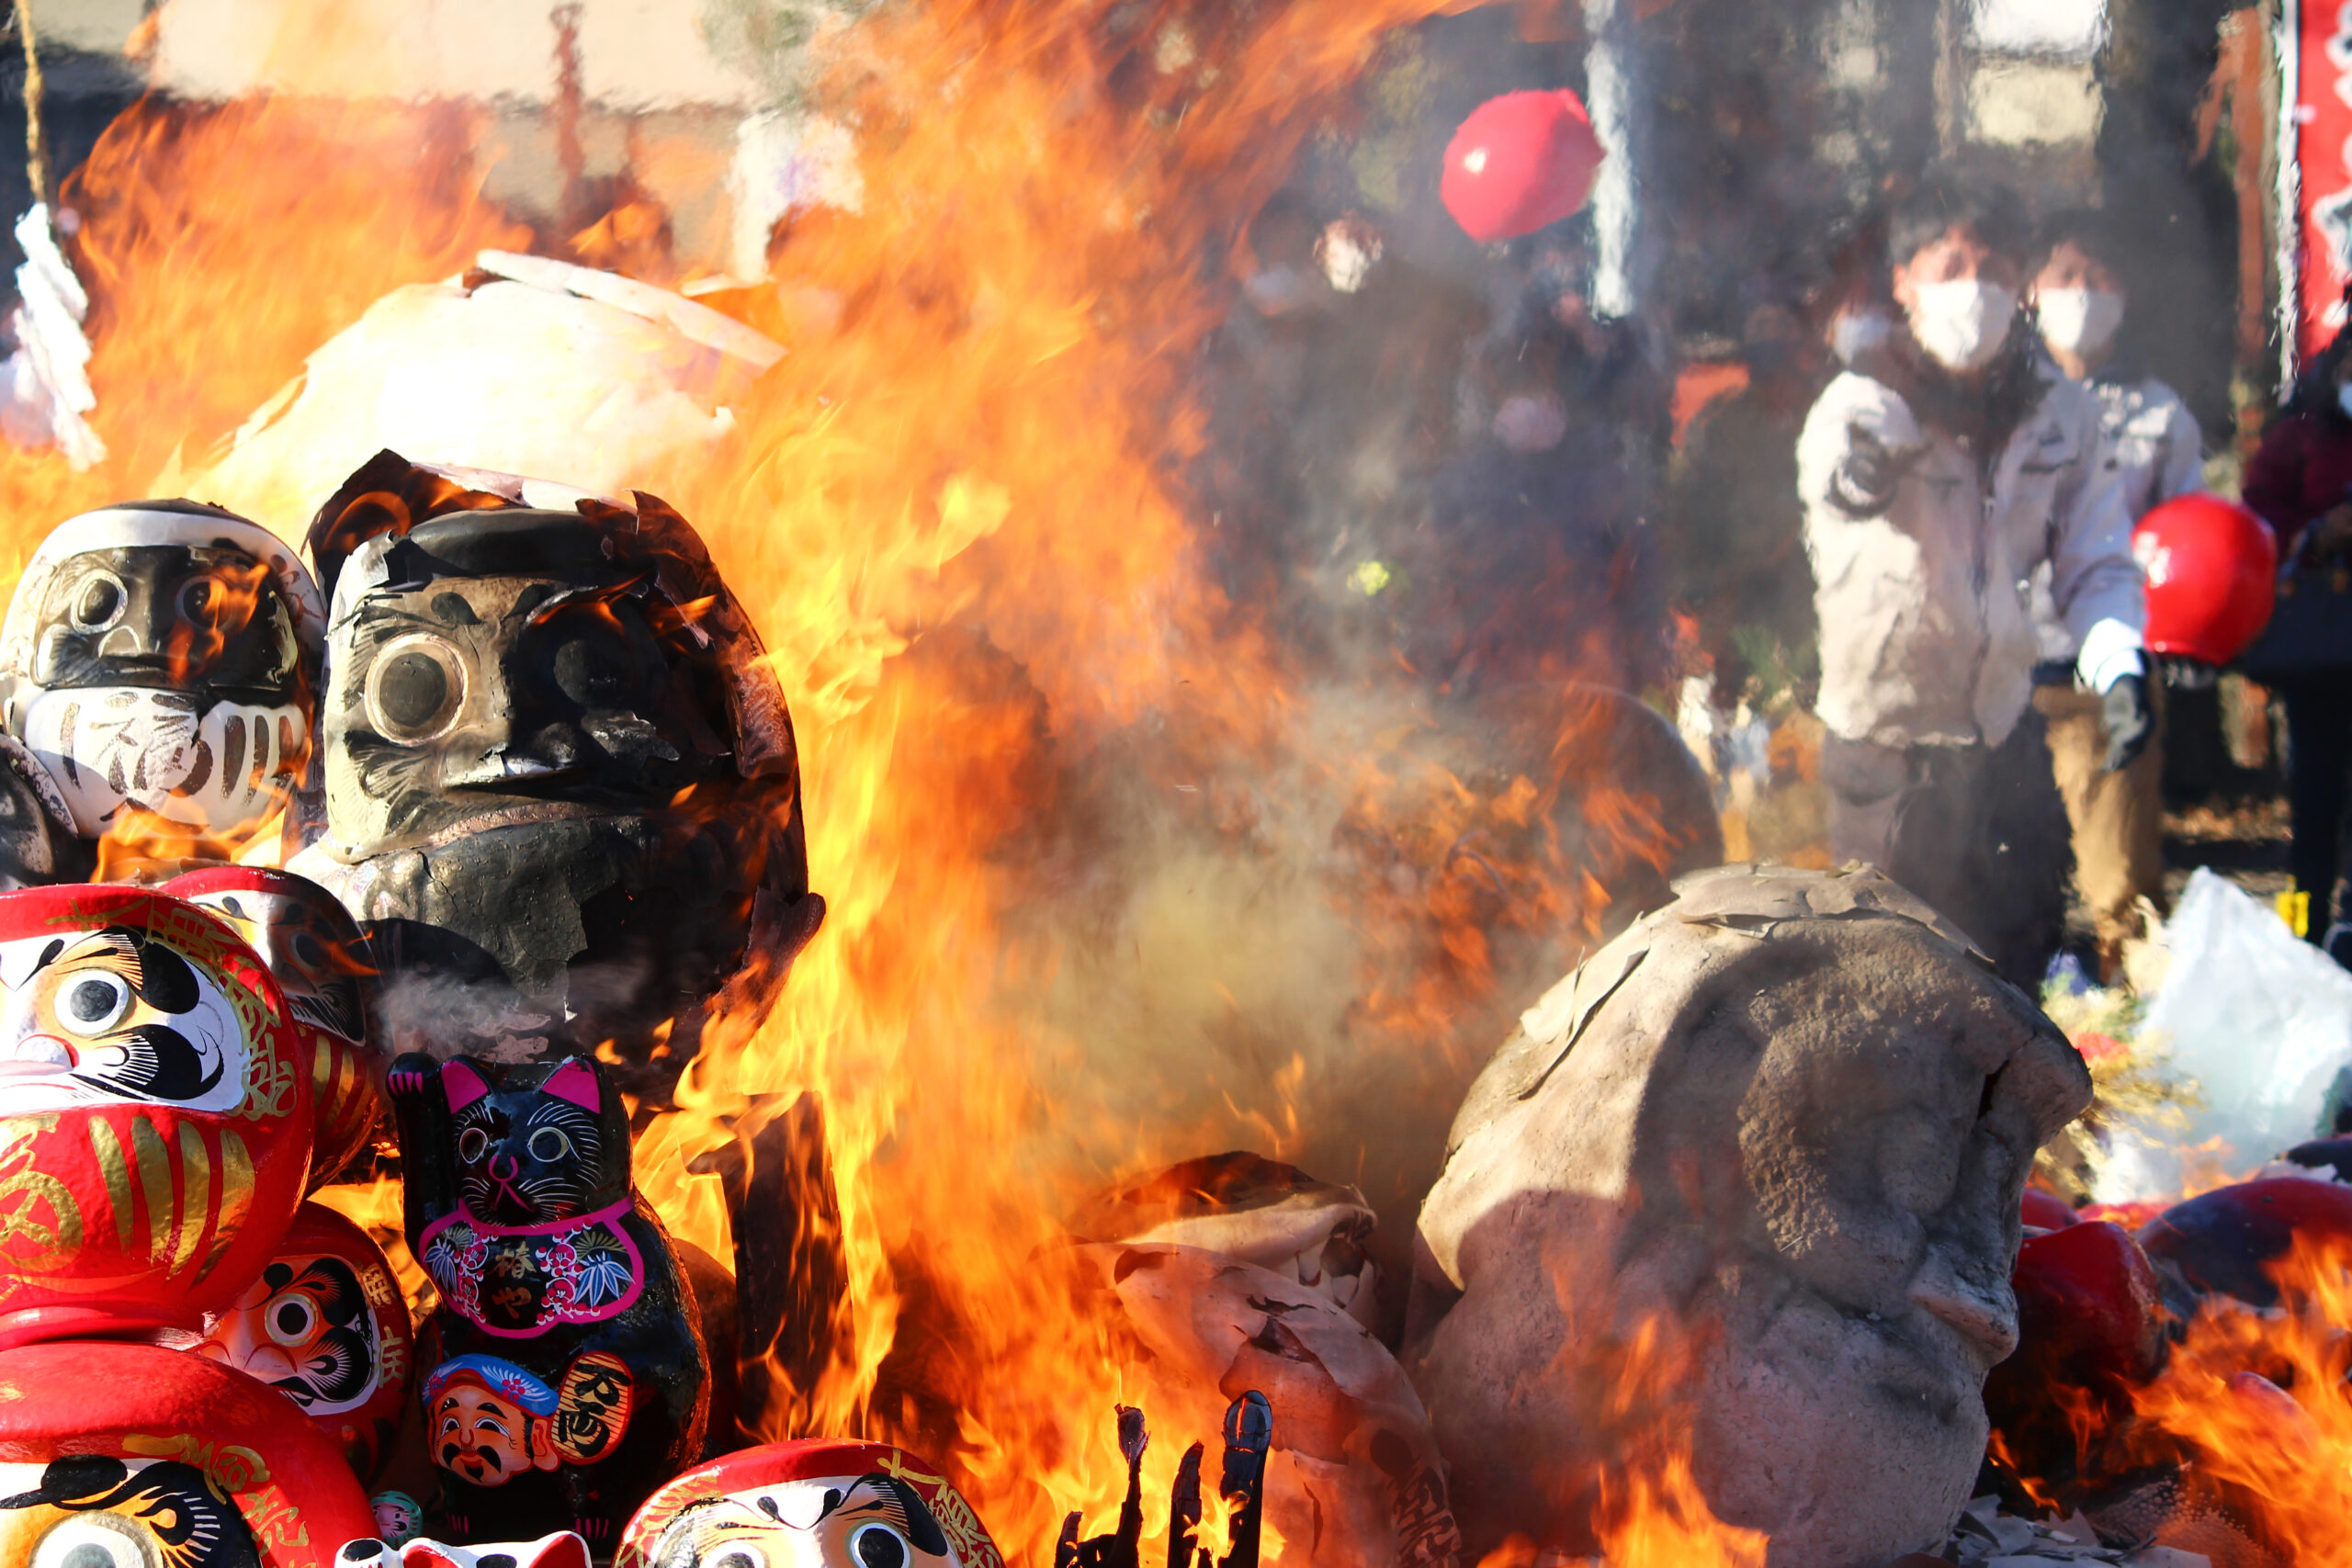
(2212, 570)
(1519, 162)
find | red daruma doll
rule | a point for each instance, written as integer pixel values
(155, 1115)
(325, 1325)
(819, 1503)
(115, 1455)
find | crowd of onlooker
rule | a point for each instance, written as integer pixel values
(1908, 511)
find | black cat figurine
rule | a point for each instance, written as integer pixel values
(567, 1374)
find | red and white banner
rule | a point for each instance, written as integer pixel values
(2316, 49)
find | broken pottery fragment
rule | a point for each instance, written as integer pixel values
(315, 950)
(121, 1455)
(557, 783)
(1783, 1124)
(326, 1324)
(155, 1115)
(1354, 1475)
(1257, 1210)
(163, 654)
(563, 1373)
(817, 1503)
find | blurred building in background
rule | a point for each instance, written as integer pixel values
(1754, 139)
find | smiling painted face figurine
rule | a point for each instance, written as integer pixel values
(163, 654)
(320, 959)
(327, 1325)
(155, 1115)
(556, 784)
(566, 1376)
(821, 1503)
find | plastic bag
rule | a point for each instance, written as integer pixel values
(2260, 1019)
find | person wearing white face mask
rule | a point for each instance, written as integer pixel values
(2150, 441)
(1938, 474)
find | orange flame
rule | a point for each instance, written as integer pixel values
(2253, 1402)
(950, 511)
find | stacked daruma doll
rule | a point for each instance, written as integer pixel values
(156, 1129)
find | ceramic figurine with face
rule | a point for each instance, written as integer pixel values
(326, 1322)
(565, 1374)
(120, 1455)
(162, 654)
(155, 1115)
(315, 949)
(399, 1518)
(819, 1502)
(557, 783)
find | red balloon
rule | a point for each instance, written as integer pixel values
(1519, 162)
(2212, 569)
(217, 1454)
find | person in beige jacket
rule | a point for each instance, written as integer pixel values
(1938, 474)
(2150, 443)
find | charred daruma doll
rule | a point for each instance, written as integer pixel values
(161, 654)
(556, 785)
(320, 959)
(155, 1115)
(821, 1503)
(327, 1325)
(564, 1376)
(118, 1455)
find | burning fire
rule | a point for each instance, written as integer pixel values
(1026, 717)
(2253, 1406)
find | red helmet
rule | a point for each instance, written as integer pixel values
(2212, 567)
(1519, 162)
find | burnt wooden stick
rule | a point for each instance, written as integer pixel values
(1127, 1548)
(790, 1275)
(1066, 1548)
(1184, 1510)
(1249, 1433)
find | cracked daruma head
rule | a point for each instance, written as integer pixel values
(156, 1112)
(550, 758)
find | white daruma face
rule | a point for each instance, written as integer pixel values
(844, 1521)
(113, 1015)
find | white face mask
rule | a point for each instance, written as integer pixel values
(1857, 332)
(1962, 325)
(2079, 321)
